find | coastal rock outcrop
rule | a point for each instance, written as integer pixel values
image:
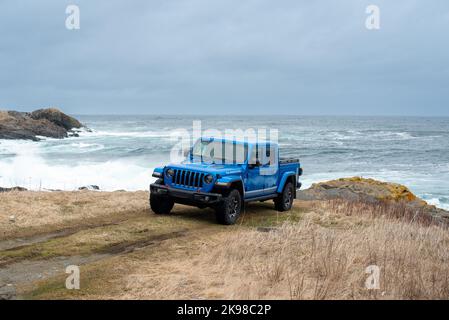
(91, 187)
(371, 191)
(12, 189)
(50, 123)
(57, 117)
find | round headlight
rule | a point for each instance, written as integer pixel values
(208, 178)
(170, 172)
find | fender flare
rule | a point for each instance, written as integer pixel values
(229, 180)
(284, 178)
(158, 172)
(225, 182)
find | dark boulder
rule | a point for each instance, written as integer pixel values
(50, 123)
(57, 117)
(12, 189)
(91, 187)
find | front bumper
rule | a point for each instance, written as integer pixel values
(185, 196)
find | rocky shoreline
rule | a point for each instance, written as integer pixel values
(50, 122)
(374, 193)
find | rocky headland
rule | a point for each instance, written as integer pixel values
(51, 123)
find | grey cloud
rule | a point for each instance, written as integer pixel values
(226, 56)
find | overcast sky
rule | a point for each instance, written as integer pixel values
(226, 57)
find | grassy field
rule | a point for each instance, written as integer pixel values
(319, 250)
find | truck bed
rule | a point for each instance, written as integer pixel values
(285, 160)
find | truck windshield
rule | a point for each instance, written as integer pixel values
(223, 152)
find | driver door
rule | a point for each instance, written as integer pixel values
(254, 182)
(269, 169)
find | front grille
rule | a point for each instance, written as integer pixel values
(188, 178)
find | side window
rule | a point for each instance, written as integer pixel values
(268, 155)
(271, 154)
(254, 155)
(263, 154)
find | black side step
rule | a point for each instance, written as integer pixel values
(260, 198)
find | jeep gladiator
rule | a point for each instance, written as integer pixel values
(225, 174)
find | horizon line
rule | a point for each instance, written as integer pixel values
(260, 115)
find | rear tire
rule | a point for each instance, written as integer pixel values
(228, 211)
(285, 200)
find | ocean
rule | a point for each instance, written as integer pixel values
(121, 151)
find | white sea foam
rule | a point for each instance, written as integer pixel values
(29, 170)
(442, 202)
(128, 134)
(380, 135)
(83, 145)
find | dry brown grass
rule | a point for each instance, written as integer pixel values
(38, 212)
(306, 261)
(311, 259)
(381, 209)
(320, 252)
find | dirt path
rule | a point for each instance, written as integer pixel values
(34, 266)
(17, 243)
(23, 272)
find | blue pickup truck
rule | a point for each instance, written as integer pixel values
(225, 174)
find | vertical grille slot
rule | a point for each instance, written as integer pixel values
(200, 182)
(175, 177)
(195, 179)
(187, 178)
(183, 177)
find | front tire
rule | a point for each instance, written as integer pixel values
(228, 211)
(284, 201)
(161, 204)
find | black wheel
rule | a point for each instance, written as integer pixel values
(161, 204)
(228, 210)
(284, 201)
